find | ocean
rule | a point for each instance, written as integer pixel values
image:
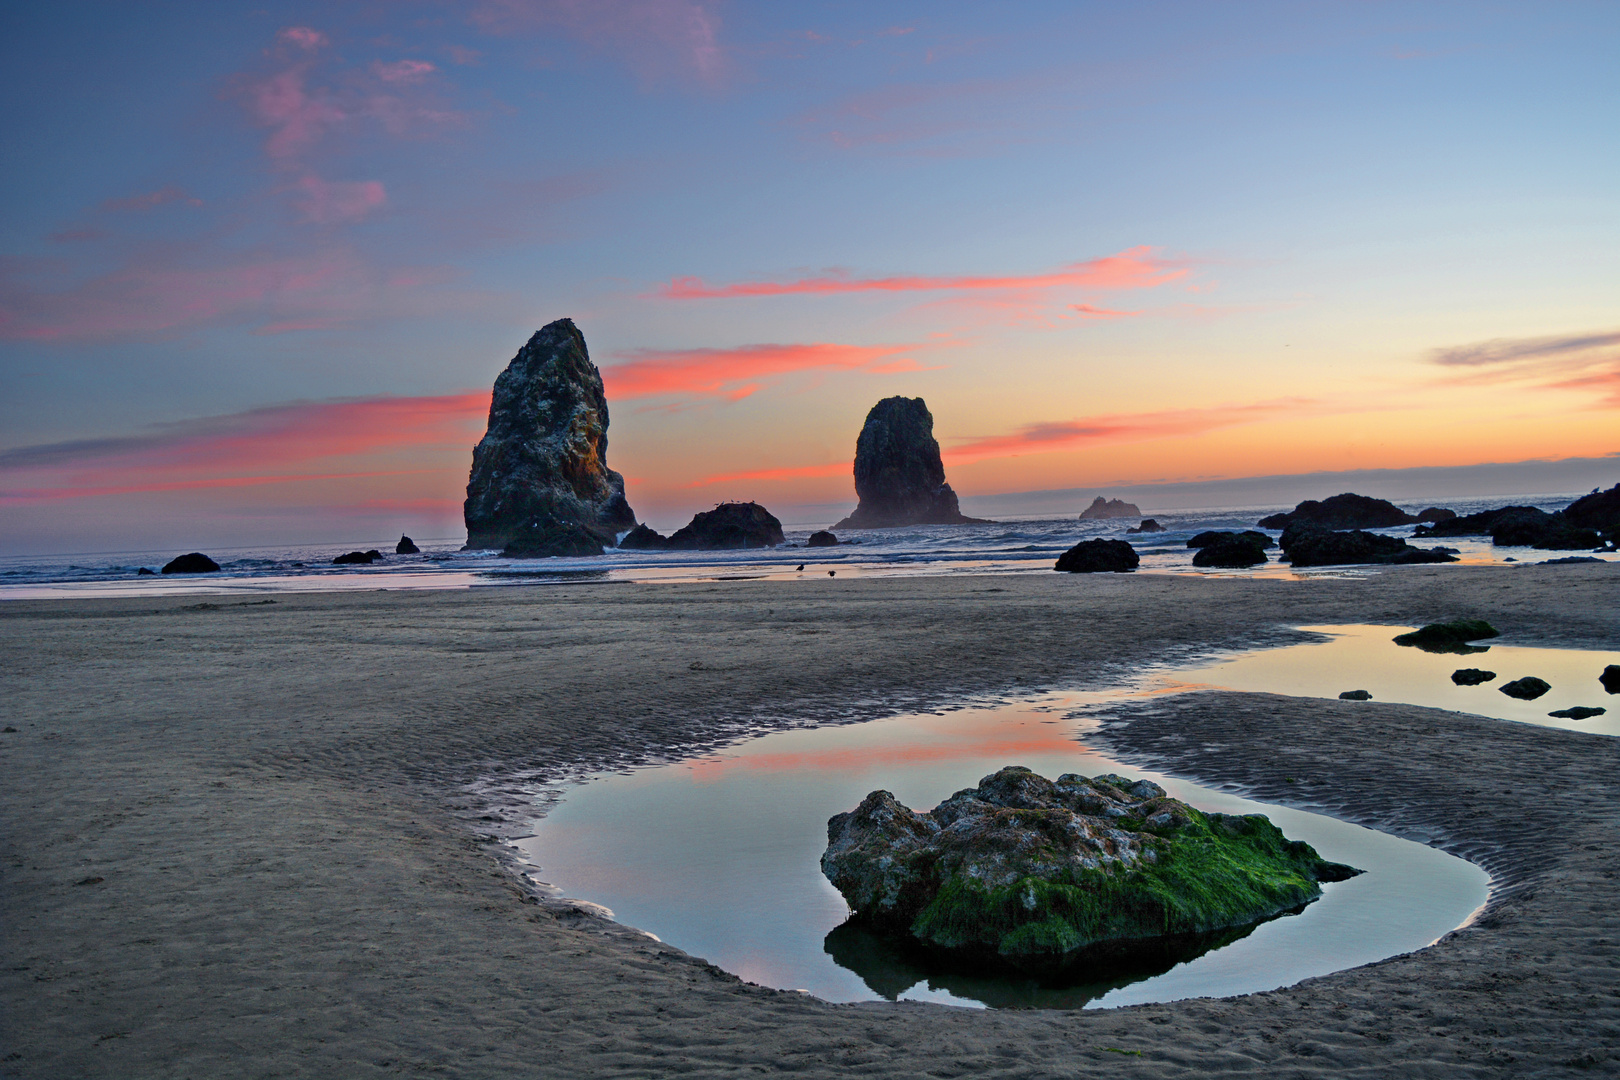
(1011, 546)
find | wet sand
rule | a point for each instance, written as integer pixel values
(235, 839)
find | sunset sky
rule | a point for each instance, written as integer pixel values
(260, 264)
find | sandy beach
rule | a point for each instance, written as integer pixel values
(236, 838)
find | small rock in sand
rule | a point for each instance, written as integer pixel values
(1578, 712)
(1355, 695)
(1527, 689)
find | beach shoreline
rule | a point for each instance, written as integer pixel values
(282, 873)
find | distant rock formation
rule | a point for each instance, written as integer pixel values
(1347, 511)
(899, 477)
(1099, 557)
(1433, 514)
(822, 538)
(642, 538)
(1148, 526)
(1102, 509)
(192, 563)
(406, 546)
(729, 525)
(358, 558)
(540, 474)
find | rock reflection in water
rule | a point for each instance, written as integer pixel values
(890, 966)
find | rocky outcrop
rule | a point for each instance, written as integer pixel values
(1526, 689)
(358, 558)
(540, 470)
(549, 538)
(1102, 509)
(1347, 511)
(642, 538)
(1446, 637)
(1099, 557)
(406, 546)
(1599, 511)
(729, 525)
(1306, 545)
(899, 477)
(1518, 526)
(1148, 526)
(1231, 550)
(1205, 539)
(1033, 874)
(822, 538)
(194, 562)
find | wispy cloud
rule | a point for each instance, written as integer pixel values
(735, 373)
(1586, 361)
(1046, 437)
(1509, 350)
(1135, 268)
(656, 39)
(253, 448)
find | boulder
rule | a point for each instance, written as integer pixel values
(1148, 526)
(406, 546)
(541, 467)
(358, 558)
(821, 538)
(1205, 539)
(1526, 689)
(1434, 514)
(1356, 695)
(899, 477)
(194, 562)
(1307, 545)
(642, 538)
(1611, 679)
(1099, 557)
(1034, 874)
(1448, 636)
(1102, 509)
(1600, 511)
(729, 525)
(1347, 511)
(1230, 549)
(1578, 712)
(1517, 526)
(1471, 676)
(549, 538)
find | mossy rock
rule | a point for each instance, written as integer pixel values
(1032, 874)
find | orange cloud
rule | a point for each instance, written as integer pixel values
(1134, 268)
(1044, 438)
(729, 373)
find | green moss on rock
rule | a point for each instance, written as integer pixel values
(1036, 873)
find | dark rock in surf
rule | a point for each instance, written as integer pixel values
(1306, 545)
(1471, 676)
(550, 538)
(1526, 689)
(406, 546)
(899, 477)
(357, 558)
(1435, 514)
(642, 538)
(1611, 679)
(1347, 511)
(1578, 712)
(1599, 511)
(1036, 875)
(1099, 557)
(822, 538)
(1355, 695)
(1103, 509)
(145, 571)
(729, 525)
(1205, 539)
(1148, 526)
(1517, 526)
(1229, 549)
(541, 468)
(194, 562)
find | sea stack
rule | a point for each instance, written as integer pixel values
(540, 472)
(899, 477)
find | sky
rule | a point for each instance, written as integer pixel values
(260, 264)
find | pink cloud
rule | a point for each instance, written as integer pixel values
(1582, 361)
(303, 37)
(729, 373)
(403, 71)
(250, 448)
(1134, 268)
(1043, 438)
(1086, 311)
(297, 118)
(326, 202)
(655, 38)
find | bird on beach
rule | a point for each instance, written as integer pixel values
(832, 573)
(801, 566)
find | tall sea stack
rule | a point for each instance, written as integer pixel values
(899, 477)
(539, 475)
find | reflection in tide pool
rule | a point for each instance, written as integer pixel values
(720, 856)
(1360, 657)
